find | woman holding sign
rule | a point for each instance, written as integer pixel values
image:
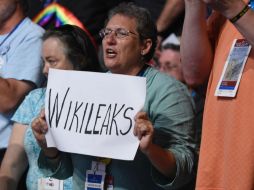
(166, 155)
(67, 47)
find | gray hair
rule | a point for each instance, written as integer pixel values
(145, 24)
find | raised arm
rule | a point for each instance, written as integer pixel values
(170, 12)
(196, 51)
(231, 8)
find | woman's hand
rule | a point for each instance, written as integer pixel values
(40, 128)
(144, 130)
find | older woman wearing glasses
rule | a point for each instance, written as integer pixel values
(166, 156)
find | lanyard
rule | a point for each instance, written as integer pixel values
(13, 30)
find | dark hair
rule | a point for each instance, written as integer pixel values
(171, 46)
(145, 24)
(79, 49)
(24, 5)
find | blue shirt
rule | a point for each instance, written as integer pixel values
(21, 61)
(27, 111)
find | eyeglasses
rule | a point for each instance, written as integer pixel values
(119, 32)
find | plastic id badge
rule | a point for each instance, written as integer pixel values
(94, 180)
(50, 184)
(233, 69)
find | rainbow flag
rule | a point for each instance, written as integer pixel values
(61, 15)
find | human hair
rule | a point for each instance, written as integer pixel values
(24, 5)
(78, 47)
(171, 46)
(145, 24)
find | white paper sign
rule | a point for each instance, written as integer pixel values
(93, 113)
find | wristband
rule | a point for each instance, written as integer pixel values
(240, 14)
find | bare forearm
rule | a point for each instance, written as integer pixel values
(15, 161)
(196, 51)
(7, 183)
(163, 160)
(171, 10)
(11, 93)
(13, 166)
(245, 23)
(5, 95)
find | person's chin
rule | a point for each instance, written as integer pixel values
(110, 64)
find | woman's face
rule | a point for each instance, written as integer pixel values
(53, 56)
(122, 55)
(170, 63)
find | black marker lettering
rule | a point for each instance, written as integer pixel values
(113, 119)
(75, 115)
(107, 115)
(124, 115)
(69, 110)
(90, 114)
(97, 116)
(83, 118)
(55, 108)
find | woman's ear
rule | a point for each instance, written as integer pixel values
(146, 46)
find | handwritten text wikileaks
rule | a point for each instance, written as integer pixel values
(88, 118)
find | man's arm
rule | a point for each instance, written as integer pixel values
(196, 50)
(170, 12)
(12, 93)
(230, 9)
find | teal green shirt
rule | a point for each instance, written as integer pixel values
(170, 108)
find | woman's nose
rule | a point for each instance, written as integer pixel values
(45, 69)
(110, 38)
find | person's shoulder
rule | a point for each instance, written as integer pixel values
(32, 28)
(38, 92)
(159, 79)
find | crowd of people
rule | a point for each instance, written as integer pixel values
(194, 130)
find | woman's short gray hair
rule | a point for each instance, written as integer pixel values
(145, 25)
